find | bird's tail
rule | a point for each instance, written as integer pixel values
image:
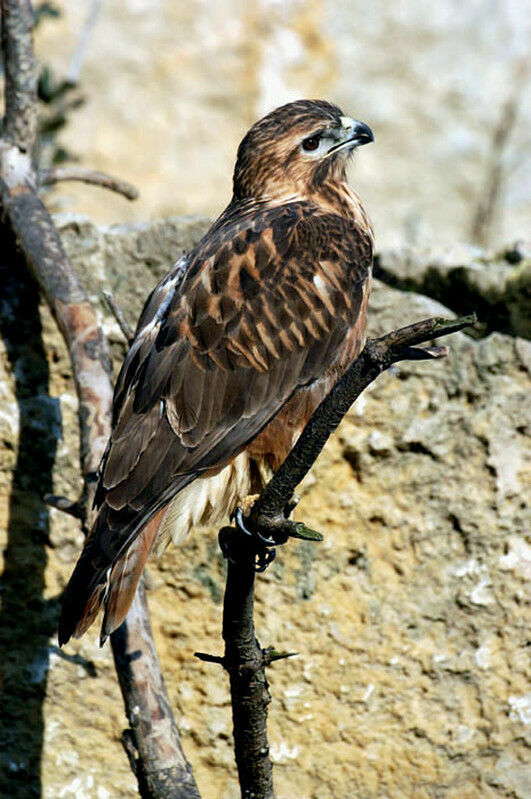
(99, 579)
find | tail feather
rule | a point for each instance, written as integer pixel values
(100, 579)
(82, 599)
(125, 575)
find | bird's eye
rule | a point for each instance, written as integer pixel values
(311, 143)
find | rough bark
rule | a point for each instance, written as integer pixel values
(28, 222)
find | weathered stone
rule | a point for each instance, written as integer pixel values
(411, 618)
(496, 285)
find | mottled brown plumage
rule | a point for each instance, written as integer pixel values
(234, 350)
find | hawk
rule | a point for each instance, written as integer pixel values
(234, 350)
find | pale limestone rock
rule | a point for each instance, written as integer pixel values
(411, 617)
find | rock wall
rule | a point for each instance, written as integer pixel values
(410, 619)
(171, 87)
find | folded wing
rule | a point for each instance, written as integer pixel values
(266, 300)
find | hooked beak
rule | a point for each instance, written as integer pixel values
(352, 134)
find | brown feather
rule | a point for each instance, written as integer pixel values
(235, 345)
(125, 575)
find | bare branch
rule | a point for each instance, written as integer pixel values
(268, 511)
(20, 65)
(162, 768)
(496, 173)
(28, 221)
(56, 174)
(45, 256)
(71, 507)
(118, 314)
(245, 663)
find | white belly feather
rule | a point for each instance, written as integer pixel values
(206, 501)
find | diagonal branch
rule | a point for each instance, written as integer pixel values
(377, 356)
(162, 769)
(244, 659)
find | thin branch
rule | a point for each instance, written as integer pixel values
(162, 769)
(56, 174)
(28, 221)
(20, 65)
(123, 324)
(76, 62)
(379, 354)
(496, 173)
(244, 660)
(71, 507)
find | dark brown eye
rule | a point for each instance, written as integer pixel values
(311, 143)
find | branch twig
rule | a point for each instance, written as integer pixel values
(28, 221)
(76, 62)
(244, 660)
(496, 173)
(57, 174)
(126, 329)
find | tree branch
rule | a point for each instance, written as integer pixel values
(20, 65)
(28, 221)
(245, 663)
(244, 660)
(378, 355)
(76, 62)
(496, 170)
(125, 328)
(56, 174)
(162, 768)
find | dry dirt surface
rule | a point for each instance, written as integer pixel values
(411, 619)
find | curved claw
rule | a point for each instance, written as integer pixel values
(265, 559)
(224, 544)
(239, 518)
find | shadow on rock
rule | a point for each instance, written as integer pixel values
(27, 620)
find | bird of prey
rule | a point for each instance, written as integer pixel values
(234, 350)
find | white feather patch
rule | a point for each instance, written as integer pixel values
(204, 502)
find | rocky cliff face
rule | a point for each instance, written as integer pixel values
(171, 88)
(410, 619)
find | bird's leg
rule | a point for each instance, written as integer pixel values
(267, 532)
(240, 521)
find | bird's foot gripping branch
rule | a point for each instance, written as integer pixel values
(260, 534)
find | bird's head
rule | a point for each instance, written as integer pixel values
(295, 148)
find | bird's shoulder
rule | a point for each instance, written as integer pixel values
(263, 280)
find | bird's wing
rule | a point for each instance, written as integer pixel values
(266, 301)
(262, 310)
